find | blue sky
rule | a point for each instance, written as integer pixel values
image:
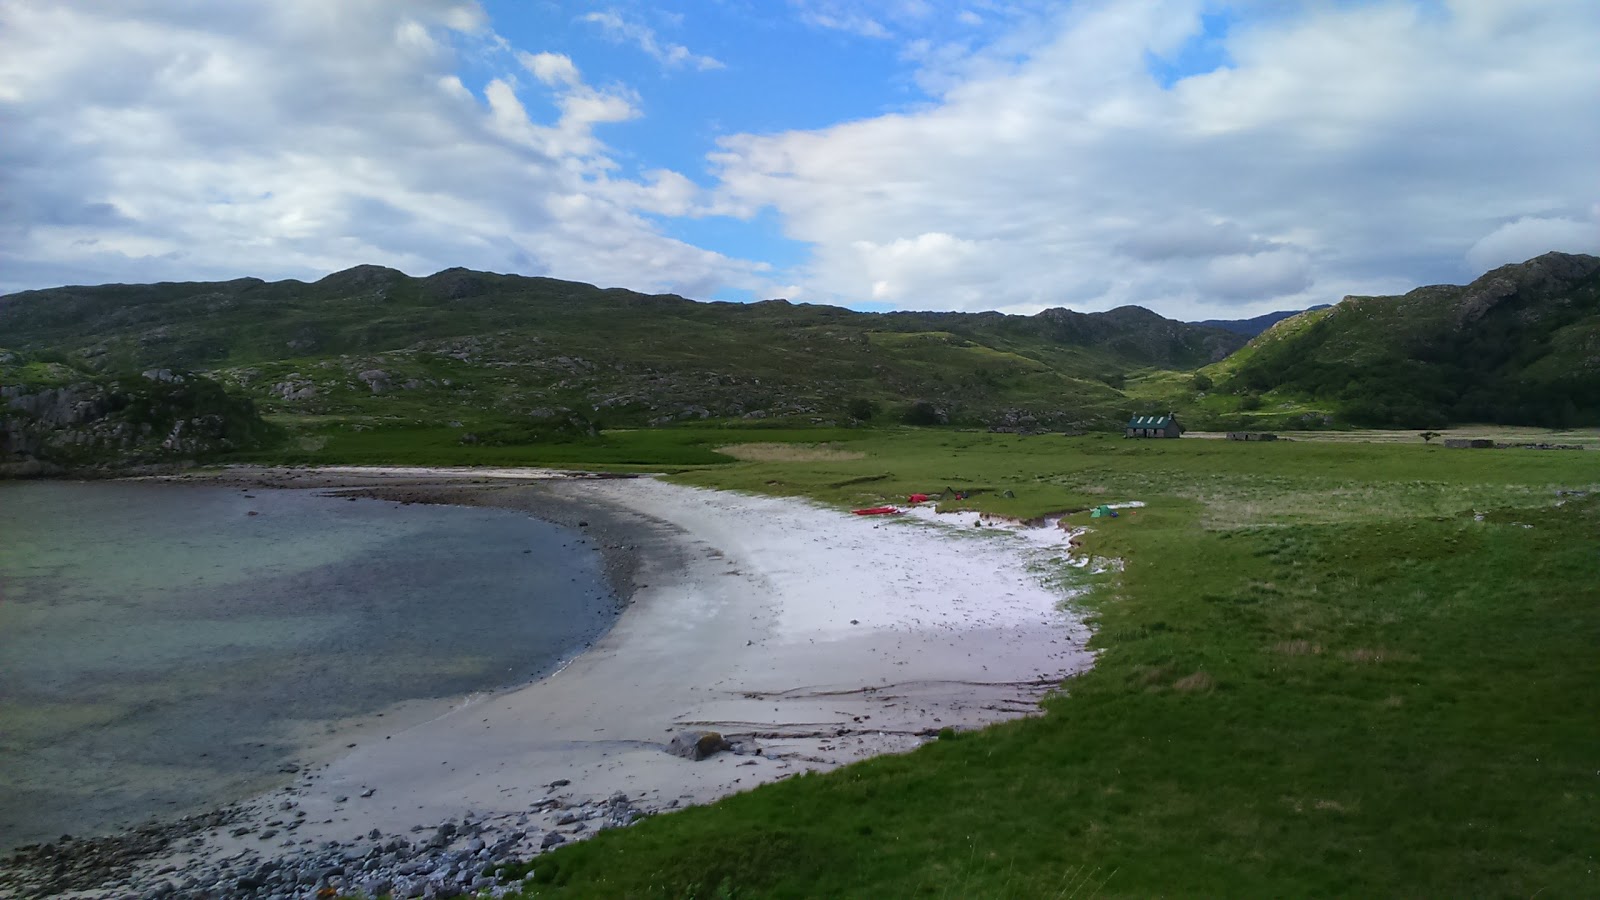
(754, 67)
(766, 67)
(1198, 157)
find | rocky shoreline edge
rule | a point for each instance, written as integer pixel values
(450, 859)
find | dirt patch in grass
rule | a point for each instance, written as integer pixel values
(1377, 655)
(1297, 648)
(790, 452)
(1197, 683)
(1151, 677)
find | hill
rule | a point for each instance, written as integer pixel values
(478, 349)
(1520, 345)
(1257, 324)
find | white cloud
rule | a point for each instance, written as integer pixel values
(644, 37)
(1254, 276)
(1360, 148)
(554, 69)
(898, 266)
(1531, 236)
(849, 17)
(1343, 148)
(913, 20)
(288, 138)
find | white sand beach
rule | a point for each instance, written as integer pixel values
(816, 636)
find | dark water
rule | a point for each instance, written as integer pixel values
(162, 650)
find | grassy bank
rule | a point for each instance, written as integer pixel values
(345, 440)
(1321, 674)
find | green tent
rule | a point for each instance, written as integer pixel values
(1103, 512)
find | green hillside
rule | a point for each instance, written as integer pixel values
(473, 358)
(1520, 345)
(373, 346)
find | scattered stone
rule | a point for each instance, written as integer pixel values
(697, 745)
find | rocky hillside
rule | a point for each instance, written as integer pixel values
(1520, 345)
(56, 417)
(483, 348)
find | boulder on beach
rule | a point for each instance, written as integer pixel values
(697, 745)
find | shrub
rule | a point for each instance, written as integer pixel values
(923, 413)
(861, 409)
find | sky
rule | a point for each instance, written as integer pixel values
(1201, 158)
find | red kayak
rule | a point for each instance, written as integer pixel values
(878, 511)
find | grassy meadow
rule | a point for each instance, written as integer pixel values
(1325, 669)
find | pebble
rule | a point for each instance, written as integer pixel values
(455, 861)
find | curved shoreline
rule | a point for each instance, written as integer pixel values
(809, 638)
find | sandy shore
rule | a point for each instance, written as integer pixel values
(809, 637)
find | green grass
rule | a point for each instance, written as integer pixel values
(337, 441)
(1320, 674)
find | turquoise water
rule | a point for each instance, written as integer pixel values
(162, 649)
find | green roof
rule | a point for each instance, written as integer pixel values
(1150, 421)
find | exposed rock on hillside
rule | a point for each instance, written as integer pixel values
(53, 418)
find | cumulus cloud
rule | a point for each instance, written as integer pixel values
(288, 138)
(1343, 148)
(620, 29)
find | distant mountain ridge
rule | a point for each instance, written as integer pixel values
(1255, 325)
(514, 359)
(463, 345)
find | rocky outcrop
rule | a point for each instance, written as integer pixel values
(160, 416)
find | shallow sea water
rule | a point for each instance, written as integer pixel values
(163, 650)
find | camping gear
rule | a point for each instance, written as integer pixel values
(917, 498)
(1103, 512)
(877, 511)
